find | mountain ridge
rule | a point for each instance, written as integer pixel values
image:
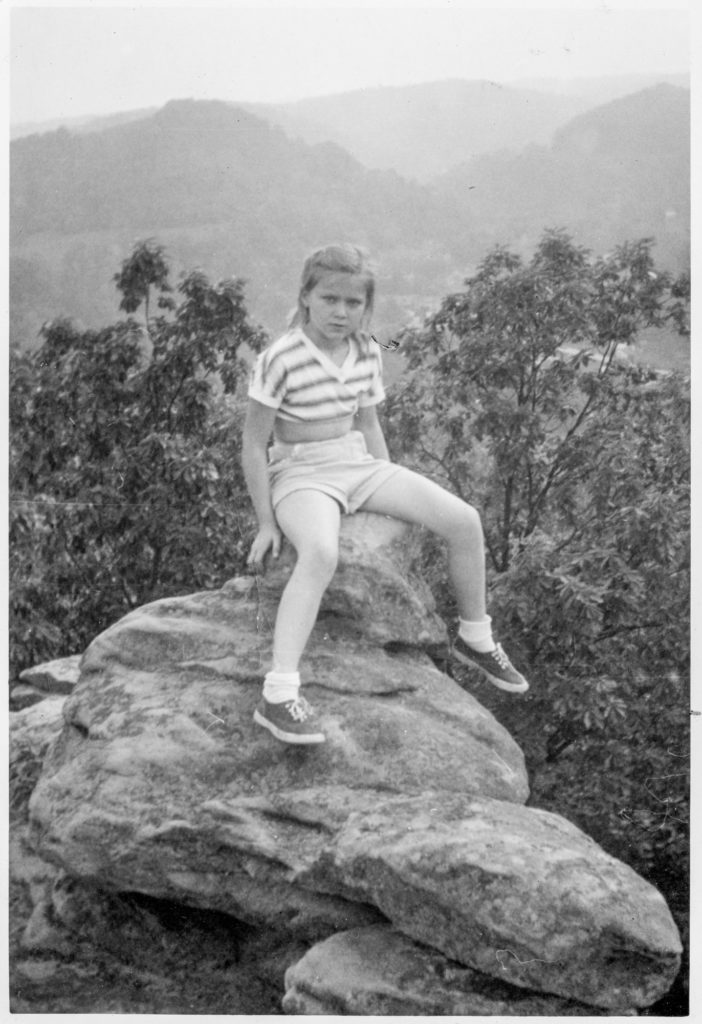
(588, 92)
(422, 130)
(612, 174)
(226, 191)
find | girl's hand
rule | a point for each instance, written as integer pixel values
(268, 538)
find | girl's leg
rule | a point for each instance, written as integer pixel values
(310, 520)
(415, 499)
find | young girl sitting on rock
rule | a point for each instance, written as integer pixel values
(316, 391)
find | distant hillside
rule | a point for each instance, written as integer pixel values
(423, 130)
(601, 89)
(318, 123)
(651, 122)
(88, 123)
(221, 189)
(224, 190)
(616, 173)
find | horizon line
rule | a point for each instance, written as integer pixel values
(92, 115)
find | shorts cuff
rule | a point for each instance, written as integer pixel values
(278, 494)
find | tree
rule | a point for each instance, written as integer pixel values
(516, 397)
(124, 465)
(144, 269)
(516, 400)
(520, 363)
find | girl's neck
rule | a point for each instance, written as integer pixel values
(330, 346)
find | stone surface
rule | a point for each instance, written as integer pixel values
(514, 892)
(39, 970)
(31, 732)
(411, 813)
(377, 971)
(37, 877)
(57, 676)
(374, 594)
(161, 782)
(22, 697)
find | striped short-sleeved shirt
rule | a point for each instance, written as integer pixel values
(298, 379)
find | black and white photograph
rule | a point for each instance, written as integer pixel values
(350, 627)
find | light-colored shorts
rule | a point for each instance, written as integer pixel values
(340, 467)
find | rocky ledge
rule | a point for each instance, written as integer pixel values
(400, 854)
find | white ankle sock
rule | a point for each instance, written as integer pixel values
(279, 687)
(477, 635)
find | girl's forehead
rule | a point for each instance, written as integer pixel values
(342, 283)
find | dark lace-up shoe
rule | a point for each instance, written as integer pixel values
(494, 665)
(293, 721)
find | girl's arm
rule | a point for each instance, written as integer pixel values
(368, 423)
(258, 427)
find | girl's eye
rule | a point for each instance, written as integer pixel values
(332, 300)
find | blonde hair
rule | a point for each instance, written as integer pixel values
(335, 259)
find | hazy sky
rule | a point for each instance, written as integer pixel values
(95, 58)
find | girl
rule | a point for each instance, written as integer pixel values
(316, 390)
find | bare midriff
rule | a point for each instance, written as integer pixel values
(324, 430)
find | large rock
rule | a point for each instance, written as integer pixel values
(514, 892)
(377, 971)
(410, 813)
(160, 781)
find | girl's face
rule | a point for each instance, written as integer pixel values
(335, 307)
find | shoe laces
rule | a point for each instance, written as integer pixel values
(500, 657)
(299, 709)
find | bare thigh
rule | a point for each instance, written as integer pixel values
(415, 499)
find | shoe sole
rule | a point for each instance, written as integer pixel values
(495, 680)
(300, 739)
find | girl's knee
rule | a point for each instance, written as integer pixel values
(468, 524)
(319, 558)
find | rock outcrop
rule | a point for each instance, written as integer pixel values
(378, 971)
(57, 676)
(411, 815)
(50, 678)
(514, 892)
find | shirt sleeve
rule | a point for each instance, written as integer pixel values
(267, 380)
(375, 392)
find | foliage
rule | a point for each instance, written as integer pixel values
(579, 461)
(126, 486)
(516, 397)
(145, 269)
(522, 360)
(124, 466)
